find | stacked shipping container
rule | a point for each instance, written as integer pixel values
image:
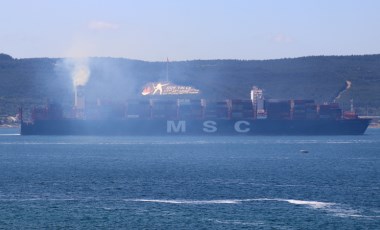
(241, 109)
(190, 109)
(278, 109)
(202, 109)
(164, 109)
(304, 110)
(215, 109)
(330, 111)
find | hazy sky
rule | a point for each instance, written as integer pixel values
(189, 29)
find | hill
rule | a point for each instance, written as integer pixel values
(30, 82)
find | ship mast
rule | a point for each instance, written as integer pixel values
(167, 69)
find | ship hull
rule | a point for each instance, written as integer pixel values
(226, 127)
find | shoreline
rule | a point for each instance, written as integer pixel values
(9, 126)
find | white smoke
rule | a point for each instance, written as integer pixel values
(348, 86)
(80, 71)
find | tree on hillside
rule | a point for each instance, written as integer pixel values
(5, 57)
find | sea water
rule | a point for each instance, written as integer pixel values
(259, 182)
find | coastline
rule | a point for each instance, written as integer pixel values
(9, 126)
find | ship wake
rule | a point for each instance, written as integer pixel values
(335, 209)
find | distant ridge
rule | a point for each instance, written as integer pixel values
(31, 81)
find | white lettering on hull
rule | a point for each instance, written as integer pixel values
(171, 127)
(238, 126)
(209, 127)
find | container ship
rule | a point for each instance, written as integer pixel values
(254, 116)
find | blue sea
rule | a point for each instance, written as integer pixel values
(260, 182)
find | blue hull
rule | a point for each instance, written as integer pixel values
(195, 127)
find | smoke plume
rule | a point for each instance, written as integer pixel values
(80, 72)
(344, 89)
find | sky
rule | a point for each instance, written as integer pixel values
(154, 30)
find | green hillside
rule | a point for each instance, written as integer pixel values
(31, 82)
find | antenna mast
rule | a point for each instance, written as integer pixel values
(167, 69)
(352, 105)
